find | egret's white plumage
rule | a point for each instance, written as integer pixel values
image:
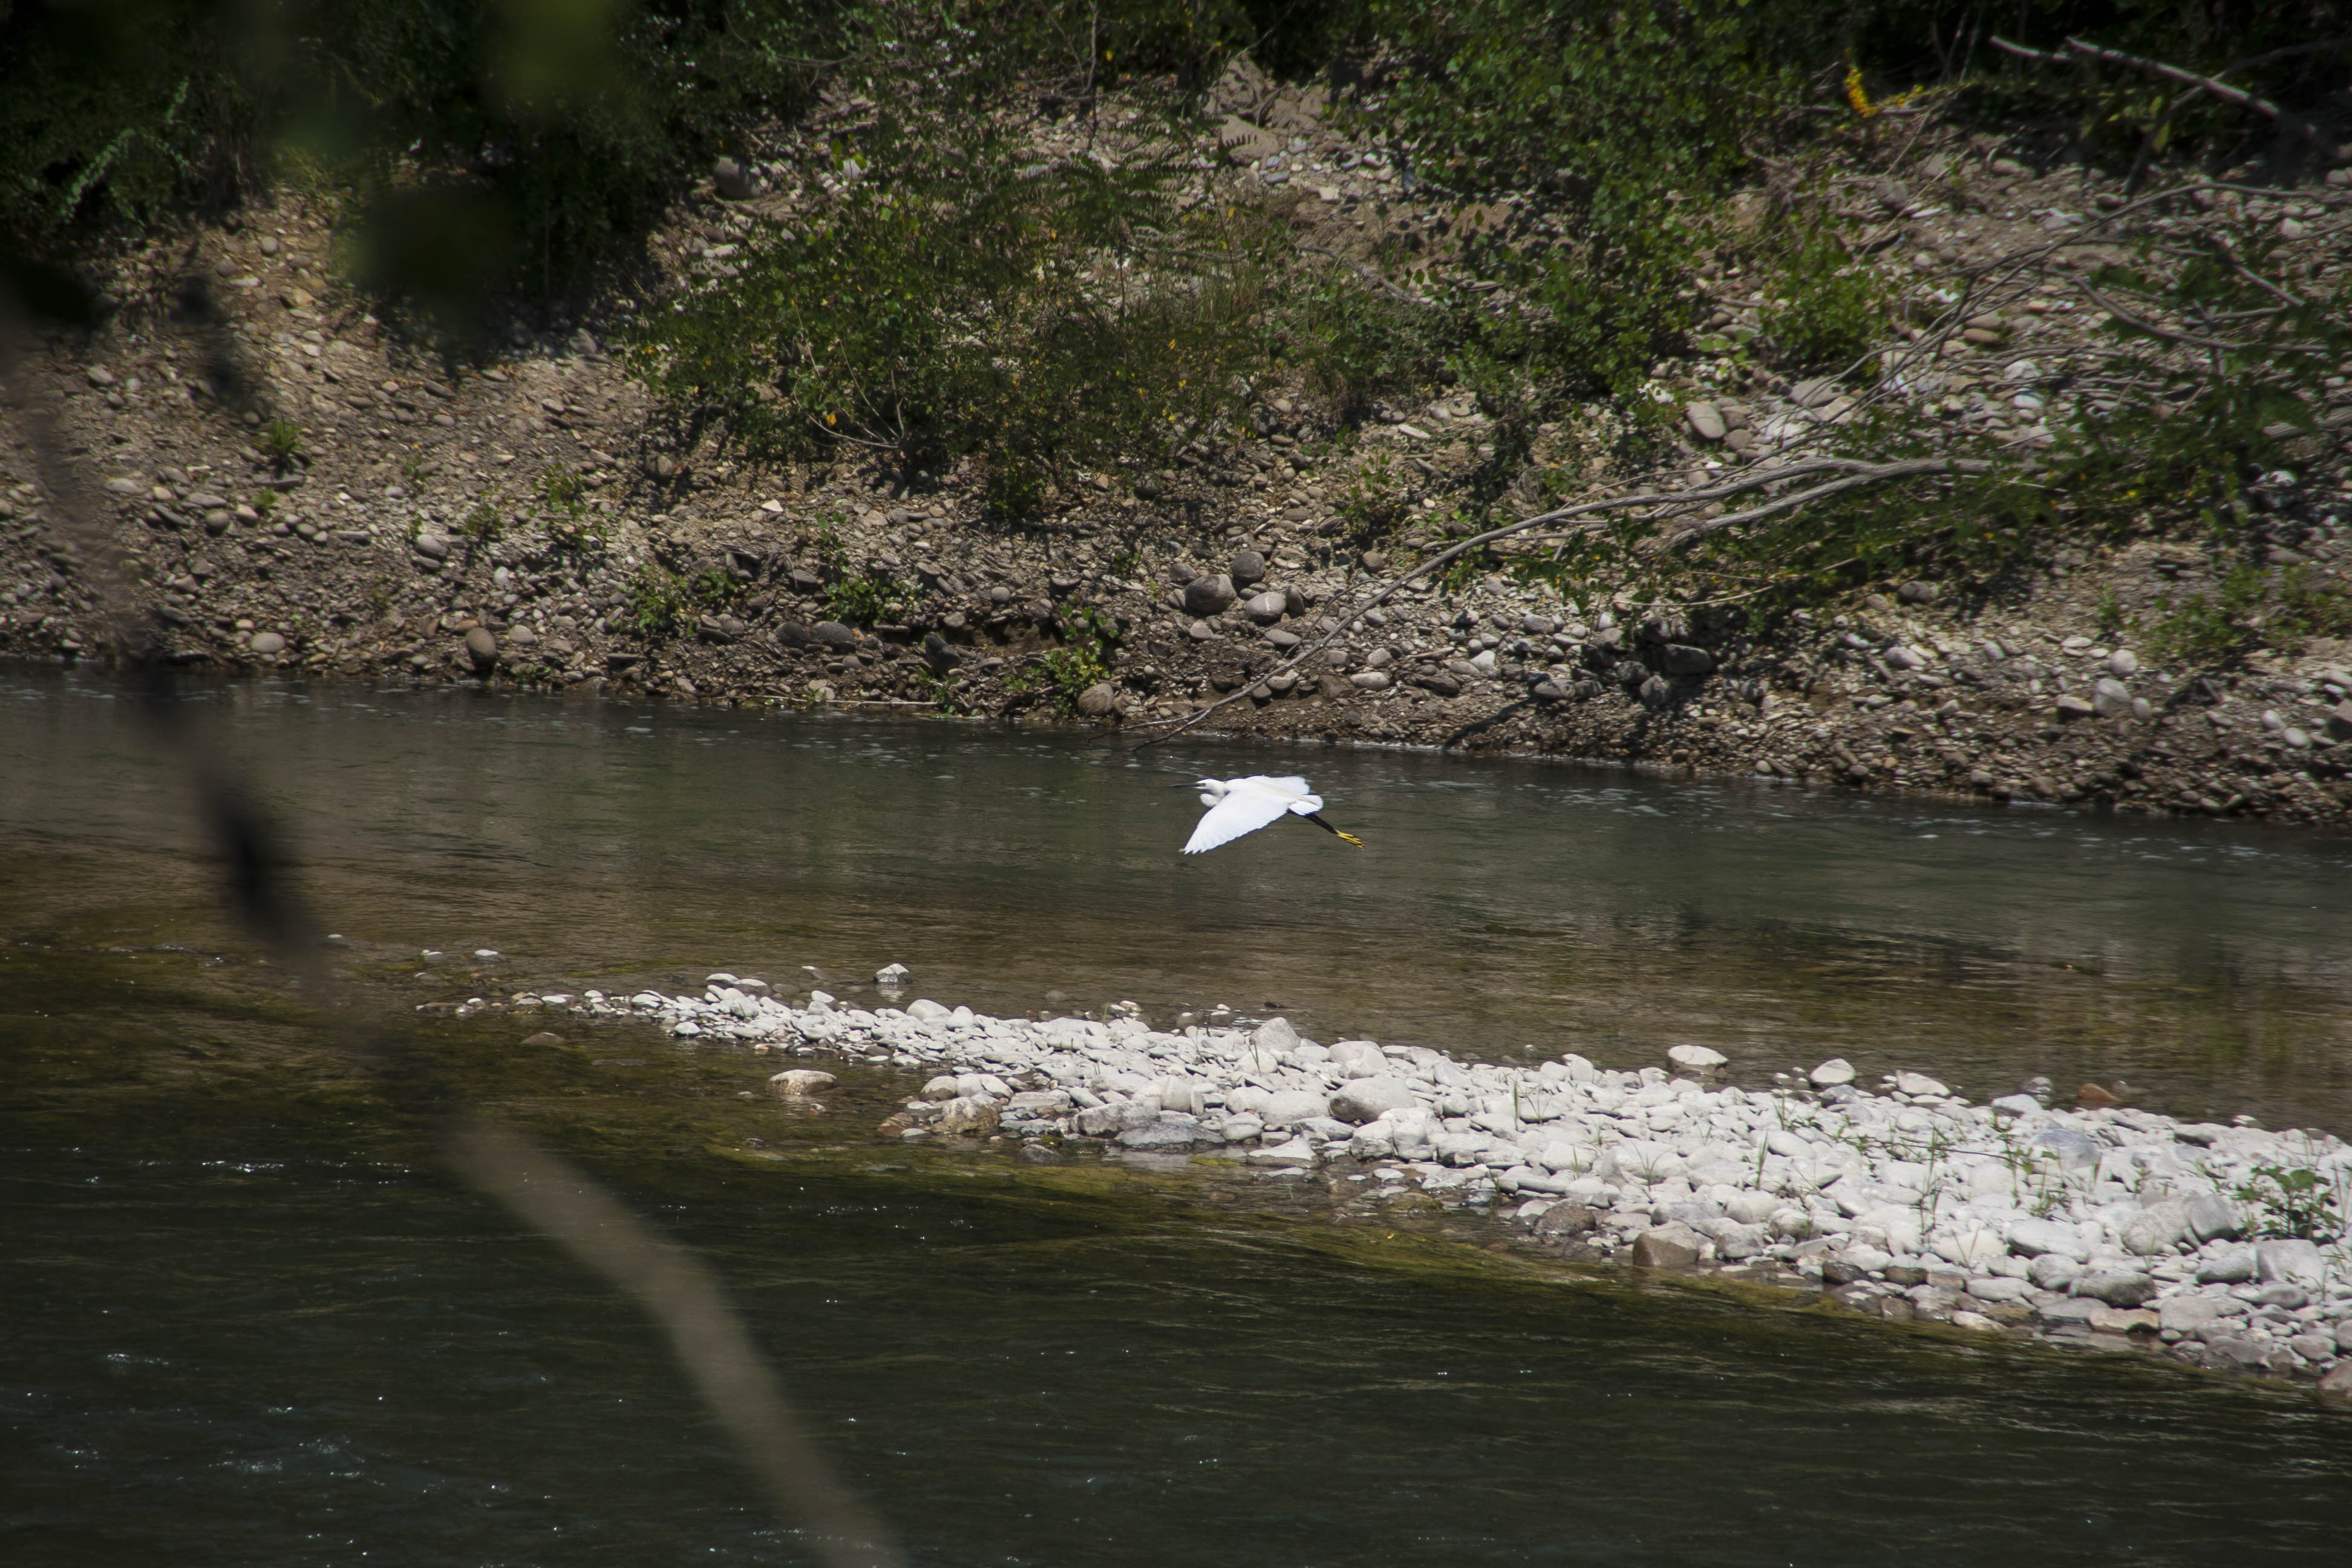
(1237, 806)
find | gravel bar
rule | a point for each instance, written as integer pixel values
(2112, 1227)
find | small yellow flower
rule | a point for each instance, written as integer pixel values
(1855, 96)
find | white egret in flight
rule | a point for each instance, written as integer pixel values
(1244, 806)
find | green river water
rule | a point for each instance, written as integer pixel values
(248, 1320)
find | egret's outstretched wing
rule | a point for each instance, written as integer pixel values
(1245, 810)
(1296, 785)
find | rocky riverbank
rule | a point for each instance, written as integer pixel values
(2099, 1225)
(284, 484)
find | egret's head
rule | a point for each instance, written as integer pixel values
(1211, 790)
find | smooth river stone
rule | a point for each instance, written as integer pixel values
(1286, 1106)
(1367, 1098)
(1671, 1245)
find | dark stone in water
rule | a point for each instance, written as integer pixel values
(1566, 1219)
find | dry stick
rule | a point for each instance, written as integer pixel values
(2286, 118)
(557, 1198)
(2128, 319)
(1853, 472)
(1971, 467)
(1369, 276)
(1993, 277)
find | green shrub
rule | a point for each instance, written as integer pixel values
(559, 129)
(1834, 312)
(866, 599)
(564, 512)
(1084, 658)
(2200, 631)
(483, 524)
(2297, 1202)
(661, 603)
(976, 305)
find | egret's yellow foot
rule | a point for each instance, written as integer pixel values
(1353, 839)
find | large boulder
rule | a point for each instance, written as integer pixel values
(2298, 1261)
(2213, 1218)
(1275, 1034)
(2035, 1237)
(969, 1116)
(799, 1083)
(2186, 1314)
(1681, 658)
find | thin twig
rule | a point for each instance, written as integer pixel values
(1371, 277)
(1852, 473)
(2150, 327)
(2285, 118)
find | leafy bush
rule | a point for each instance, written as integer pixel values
(974, 304)
(564, 512)
(1834, 312)
(862, 600)
(483, 524)
(2297, 1202)
(2200, 631)
(1612, 118)
(559, 129)
(661, 603)
(1083, 659)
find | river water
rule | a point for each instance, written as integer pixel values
(1499, 907)
(249, 1322)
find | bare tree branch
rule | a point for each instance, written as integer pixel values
(2286, 118)
(1852, 473)
(1369, 276)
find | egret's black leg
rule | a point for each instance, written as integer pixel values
(1316, 818)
